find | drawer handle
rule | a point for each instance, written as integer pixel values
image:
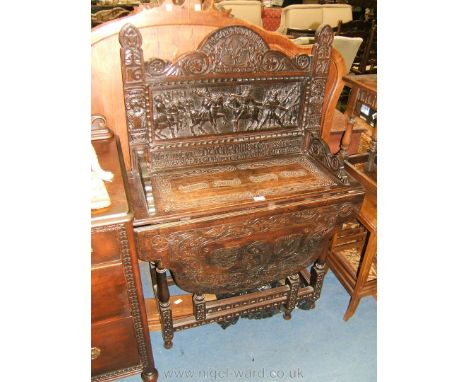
(95, 352)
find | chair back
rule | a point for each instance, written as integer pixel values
(348, 48)
(366, 58)
(333, 13)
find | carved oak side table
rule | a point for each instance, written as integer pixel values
(120, 343)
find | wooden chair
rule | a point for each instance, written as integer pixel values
(107, 96)
(233, 190)
(366, 57)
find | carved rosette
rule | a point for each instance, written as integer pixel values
(137, 104)
(319, 150)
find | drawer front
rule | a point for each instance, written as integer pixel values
(109, 297)
(105, 244)
(113, 347)
(237, 254)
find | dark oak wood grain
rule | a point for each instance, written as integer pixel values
(192, 27)
(235, 193)
(120, 343)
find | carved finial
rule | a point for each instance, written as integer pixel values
(323, 49)
(130, 36)
(131, 54)
(324, 35)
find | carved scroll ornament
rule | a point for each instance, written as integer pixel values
(320, 151)
(233, 49)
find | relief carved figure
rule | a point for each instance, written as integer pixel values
(136, 111)
(195, 110)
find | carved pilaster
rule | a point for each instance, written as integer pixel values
(293, 282)
(139, 120)
(321, 51)
(133, 297)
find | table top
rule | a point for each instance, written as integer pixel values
(237, 185)
(110, 159)
(366, 81)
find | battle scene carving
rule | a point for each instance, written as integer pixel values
(200, 93)
(202, 109)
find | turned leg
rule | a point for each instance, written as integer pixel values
(199, 306)
(317, 274)
(346, 139)
(350, 120)
(372, 151)
(363, 273)
(150, 375)
(165, 311)
(293, 282)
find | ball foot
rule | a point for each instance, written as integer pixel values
(150, 376)
(168, 344)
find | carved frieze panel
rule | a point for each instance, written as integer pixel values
(183, 109)
(223, 150)
(235, 256)
(233, 83)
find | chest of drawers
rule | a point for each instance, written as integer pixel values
(120, 344)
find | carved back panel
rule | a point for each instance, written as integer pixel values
(232, 98)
